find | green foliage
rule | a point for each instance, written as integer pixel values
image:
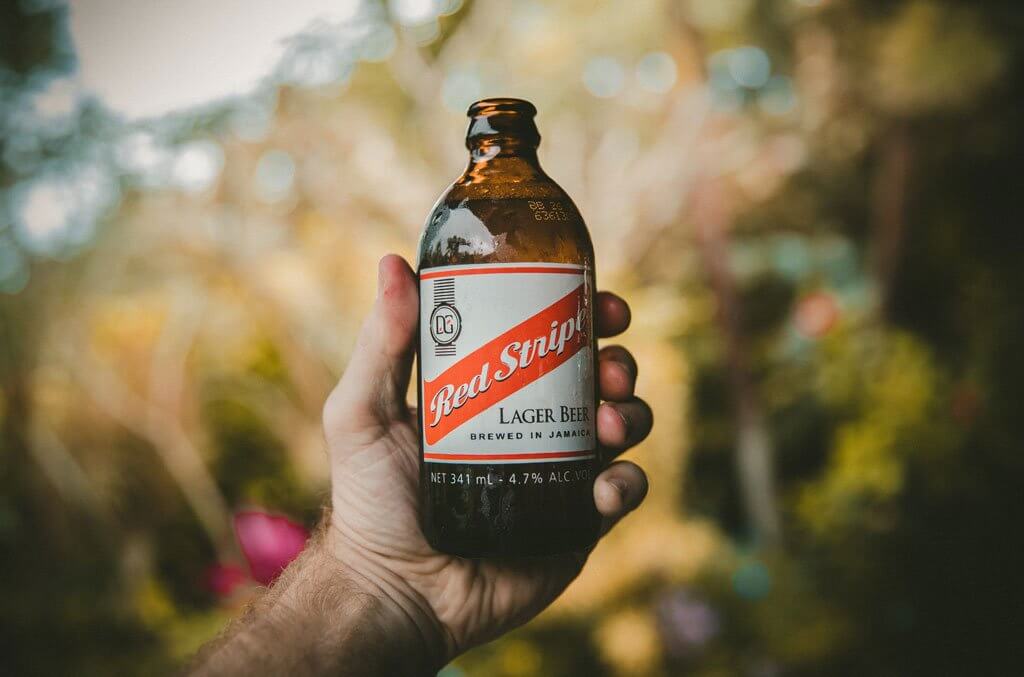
(891, 433)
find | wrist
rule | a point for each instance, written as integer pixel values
(394, 617)
(330, 615)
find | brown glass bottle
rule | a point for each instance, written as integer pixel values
(506, 271)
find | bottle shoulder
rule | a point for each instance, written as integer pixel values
(481, 223)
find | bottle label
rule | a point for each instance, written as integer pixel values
(506, 352)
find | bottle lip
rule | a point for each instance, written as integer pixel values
(501, 105)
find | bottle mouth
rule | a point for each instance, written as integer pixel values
(504, 122)
(502, 105)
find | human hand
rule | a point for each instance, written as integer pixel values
(448, 603)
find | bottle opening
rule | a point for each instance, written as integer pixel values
(502, 105)
(503, 122)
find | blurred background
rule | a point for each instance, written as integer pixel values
(812, 205)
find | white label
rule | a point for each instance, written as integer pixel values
(506, 352)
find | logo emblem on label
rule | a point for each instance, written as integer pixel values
(445, 324)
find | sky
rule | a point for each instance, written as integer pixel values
(150, 57)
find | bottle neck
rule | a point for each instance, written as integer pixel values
(502, 140)
(504, 158)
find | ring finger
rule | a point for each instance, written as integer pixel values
(621, 425)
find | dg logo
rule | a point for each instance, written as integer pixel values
(445, 324)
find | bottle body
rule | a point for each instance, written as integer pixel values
(507, 360)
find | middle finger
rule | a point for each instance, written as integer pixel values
(616, 370)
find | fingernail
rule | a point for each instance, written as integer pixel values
(625, 421)
(380, 277)
(627, 370)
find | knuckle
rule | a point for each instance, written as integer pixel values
(619, 354)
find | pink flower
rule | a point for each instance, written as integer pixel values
(269, 543)
(223, 579)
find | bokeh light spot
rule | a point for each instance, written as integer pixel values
(198, 165)
(686, 622)
(656, 72)
(604, 76)
(140, 153)
(275, 174)
(446, 7)
(58, 212)
(725, 91)
(318, 59)
(752, 580)
(379, 43)
(749, 66)
(414, 12)
(791, 257)
(251, 121)
(44, 211)
(816, 314)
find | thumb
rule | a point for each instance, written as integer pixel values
(372, 390)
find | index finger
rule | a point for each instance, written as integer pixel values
(613, 314)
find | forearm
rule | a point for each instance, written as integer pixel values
(323, 617)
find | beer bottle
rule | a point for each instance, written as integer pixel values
(507, 355)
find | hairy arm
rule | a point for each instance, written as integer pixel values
(321, 617)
